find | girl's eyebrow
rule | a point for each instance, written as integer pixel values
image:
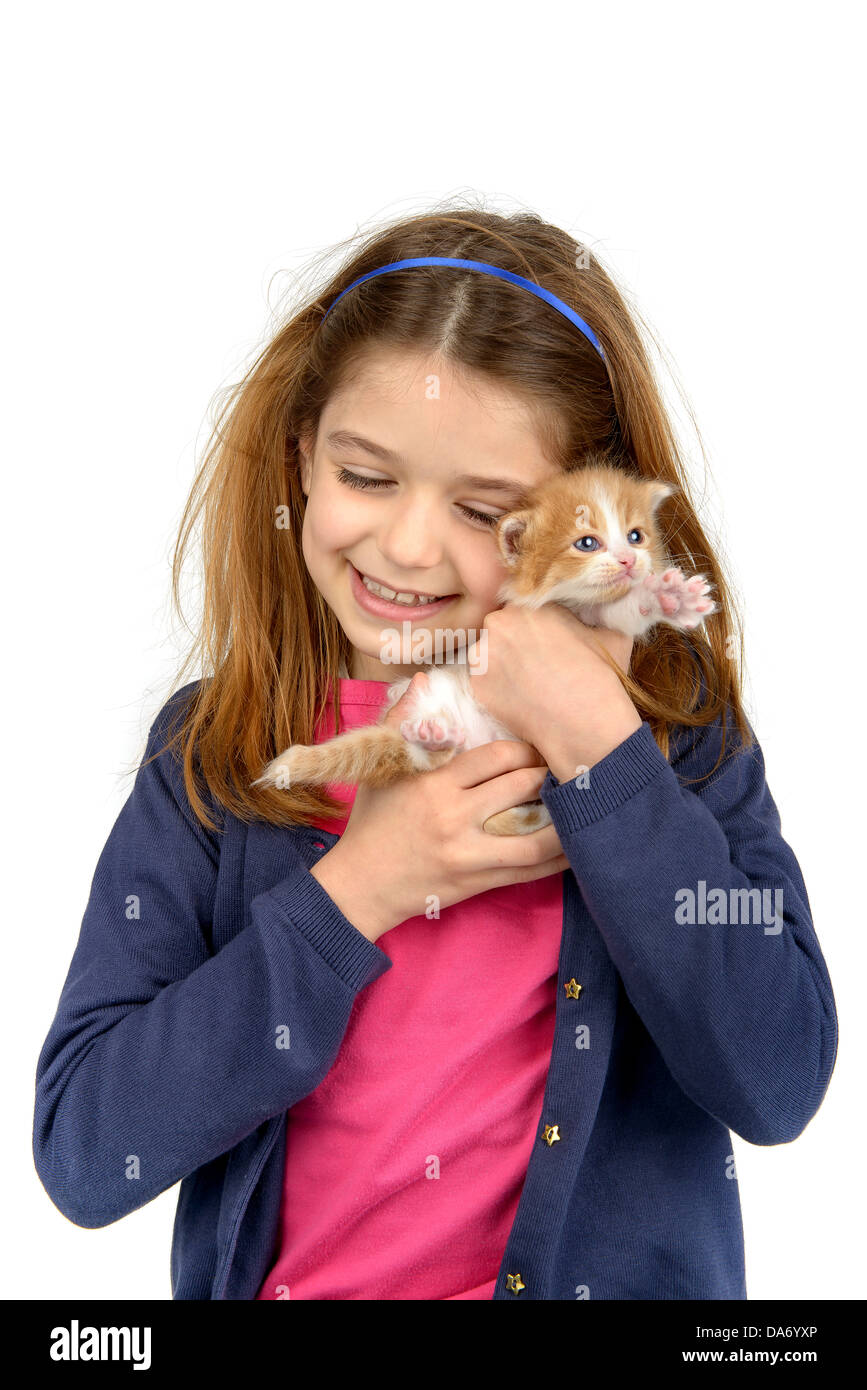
(345, 439)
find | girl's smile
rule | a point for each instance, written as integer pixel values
(401, 608)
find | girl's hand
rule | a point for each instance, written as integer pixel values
(544, 679)
(419, 842)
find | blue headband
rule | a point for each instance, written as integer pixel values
(486, 269)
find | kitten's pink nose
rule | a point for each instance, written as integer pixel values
(627, 560)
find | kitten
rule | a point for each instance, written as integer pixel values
(569, 544)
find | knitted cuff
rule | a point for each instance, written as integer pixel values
(610, 782)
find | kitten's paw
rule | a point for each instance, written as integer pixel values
(518, 820)
(683, 601)
(435, 734)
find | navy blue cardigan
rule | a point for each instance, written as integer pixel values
(196, 947)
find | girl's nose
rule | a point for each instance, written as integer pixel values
(410, 542)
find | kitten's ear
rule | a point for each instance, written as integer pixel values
(510, 535)
(658, 491)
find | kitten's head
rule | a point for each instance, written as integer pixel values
(584, 537)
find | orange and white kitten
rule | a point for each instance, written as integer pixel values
(587, 539)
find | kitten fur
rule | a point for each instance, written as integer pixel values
(538, 546)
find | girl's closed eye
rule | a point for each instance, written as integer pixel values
(362, 481)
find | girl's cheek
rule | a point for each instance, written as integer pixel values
(482, 585)
(328, 526)
(317, 542)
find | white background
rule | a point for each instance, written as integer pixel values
(167, 170)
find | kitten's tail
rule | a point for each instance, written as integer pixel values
(373, 756)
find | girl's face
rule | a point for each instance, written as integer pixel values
(411, 467)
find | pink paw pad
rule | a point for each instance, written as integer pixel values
(432, 733)
(682, 598)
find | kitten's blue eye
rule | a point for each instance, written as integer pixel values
(587, 544)
(639, 536)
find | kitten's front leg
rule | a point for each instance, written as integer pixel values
(673, 598)
(669, 597)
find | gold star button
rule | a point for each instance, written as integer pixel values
(573, 989)
(513, 1283)
(551, 1135)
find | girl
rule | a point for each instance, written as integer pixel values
(388, 1055)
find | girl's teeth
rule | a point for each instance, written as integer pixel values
(408, 600)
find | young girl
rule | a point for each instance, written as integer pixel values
(389, 1055)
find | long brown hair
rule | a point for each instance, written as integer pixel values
(270, 648)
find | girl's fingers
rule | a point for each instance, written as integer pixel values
(530, 872)
(476, 765)
(507, 790)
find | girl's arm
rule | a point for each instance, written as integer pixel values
(163, 1055)
(742, 1011)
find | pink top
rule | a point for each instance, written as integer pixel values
(405, 1165)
